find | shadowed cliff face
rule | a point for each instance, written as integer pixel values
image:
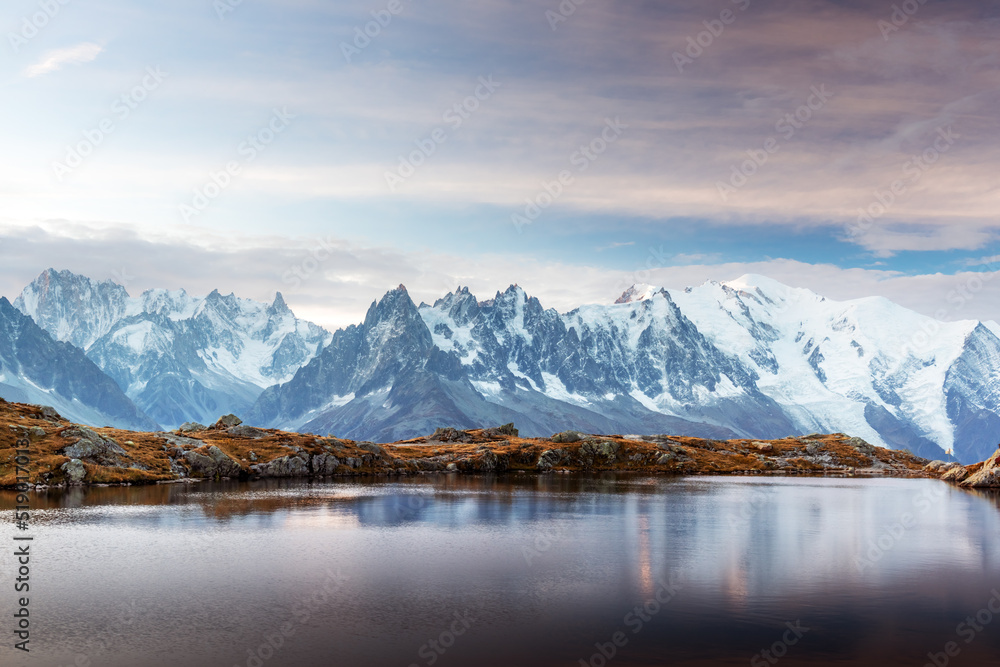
(36, 368)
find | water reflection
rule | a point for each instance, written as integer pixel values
(880, 571)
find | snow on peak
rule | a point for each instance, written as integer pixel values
(638, 292)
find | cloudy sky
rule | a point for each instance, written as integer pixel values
(264, 145)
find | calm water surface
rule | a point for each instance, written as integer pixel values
(520, 570)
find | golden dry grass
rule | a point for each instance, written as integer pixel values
(697, 456)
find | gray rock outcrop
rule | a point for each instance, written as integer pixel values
(214, 463)
(93, 447)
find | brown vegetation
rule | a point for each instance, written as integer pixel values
(160, 457)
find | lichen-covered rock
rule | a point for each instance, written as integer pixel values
(449, 435)
(244, 431)
(955, 475)
(988, 476)
(74, 470)
(567, 437)
(227, 422)
(191, 427)
(551, 458)
(762, 446)
(507, 431)
(377, 451)
(180, 441)
(325, 464)
(48, 413)
(214, 463)
(93, 447)
(597, 452)
(486, 460)
(666, 458)
(861, 446)
(285, 466)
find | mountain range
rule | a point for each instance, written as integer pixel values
(179, 358)
(743, 358)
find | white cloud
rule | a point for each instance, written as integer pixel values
(333, 282)
(73, 55)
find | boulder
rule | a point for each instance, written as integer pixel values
(666, 458)
(227, 422)
(956, 474)
(761, 446)
(599, 451)
(486, 460)
(214, 463)
(48, 413)
(376, 450)
(507, 430)
(551, 458)
(449, 435)
(324, 464)
(861, 446)
(244, 431)
(567, 437)
(988, 476)
(93, 447)
(191, 427)
(74, 470)
(285, 466)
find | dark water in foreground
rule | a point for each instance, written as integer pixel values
(521, 570)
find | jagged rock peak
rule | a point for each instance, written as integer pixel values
(639, 292)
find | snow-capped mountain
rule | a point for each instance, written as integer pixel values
(180, 358)
(34, 368)
(750, 357)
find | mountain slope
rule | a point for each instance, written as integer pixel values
(180, 358)
(750, 358)
(34, 368)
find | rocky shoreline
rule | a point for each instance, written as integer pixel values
(66, 454)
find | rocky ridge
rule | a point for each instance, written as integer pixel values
(66, 454)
